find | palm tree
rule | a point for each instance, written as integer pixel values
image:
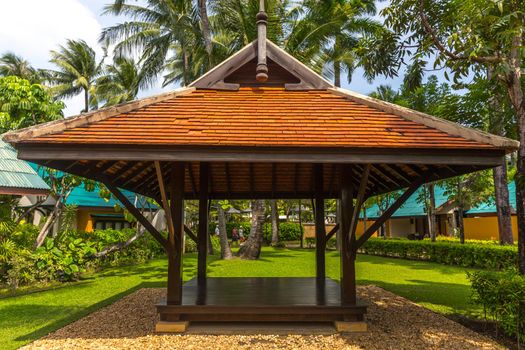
(154, 31)
(119, 82)
(342, 24)
(12, 64)
(77, 71)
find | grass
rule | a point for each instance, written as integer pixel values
(25, 318)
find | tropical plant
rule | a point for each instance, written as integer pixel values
(23, 104)
(120, 82)
(472, 36)
(14, 65)
(76, 72)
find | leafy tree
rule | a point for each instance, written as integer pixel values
(467, 191)
(120, 82)
(472, 36)
(61, 184)
(23, 104)
(11, 64)
(77, 71)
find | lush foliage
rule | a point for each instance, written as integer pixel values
(487, 256)
(502, 295)
(64, 257)
(24, 104)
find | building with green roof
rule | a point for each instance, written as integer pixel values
(17, 177)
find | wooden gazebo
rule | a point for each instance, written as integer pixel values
(260, 125)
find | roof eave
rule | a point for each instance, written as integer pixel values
(446, 126)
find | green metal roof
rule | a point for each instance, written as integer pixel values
(15, 173)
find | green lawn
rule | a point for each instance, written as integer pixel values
(27, 317)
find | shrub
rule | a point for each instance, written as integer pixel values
(288, 231)
(502, 295)
(486, 256)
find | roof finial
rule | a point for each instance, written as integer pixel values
(262, 20)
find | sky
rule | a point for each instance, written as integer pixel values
(31, 28)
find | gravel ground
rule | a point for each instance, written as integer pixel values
(394, 323)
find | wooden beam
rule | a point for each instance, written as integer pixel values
(164, 197)
(175, 240)
(391, 210)
(202, 245)
(34, 152)
(347, 257)
(274, 179)
(359, 202)
(228, 179)
(137, 214)
(320, 230)
(252, 178)
(192, 179)
(190, 234)
(296, 178)
(332, 232)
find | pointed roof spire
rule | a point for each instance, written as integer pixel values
(262, 21)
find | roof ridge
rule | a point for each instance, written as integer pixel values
(90, 117)
(443, 125)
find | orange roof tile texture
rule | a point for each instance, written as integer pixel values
(261, 117)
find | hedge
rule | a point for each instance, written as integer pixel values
(479, 255)
(502, 295)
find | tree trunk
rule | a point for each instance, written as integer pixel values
(503, 205)
(499, 174)
(275, 222)
(226, 252)
(460, 224)
(205, 23)
(251, 249)
(86, 100)
(432, 212)
(337, 64)
(515, 91)
(44, 231)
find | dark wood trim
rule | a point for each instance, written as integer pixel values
(320, 230)
(190, 234)
(14, 191)
(202, 245)
(332, 232)
(175, 241)
(137, 214)
(33, 152)
(164, 198)
(392, 209)
(347, 256)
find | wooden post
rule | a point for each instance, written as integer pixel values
(320, 230)
(348, 283)
(202, 240)
(175, 240)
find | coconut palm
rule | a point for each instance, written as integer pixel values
(14, 65)
(154, 30)
(77, 70)
(119, 82)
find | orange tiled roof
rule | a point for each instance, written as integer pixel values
(261, 117)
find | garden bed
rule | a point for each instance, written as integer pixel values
(394, 322)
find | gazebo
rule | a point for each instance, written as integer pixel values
(260, 125)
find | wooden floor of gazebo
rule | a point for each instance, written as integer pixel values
(261, 299)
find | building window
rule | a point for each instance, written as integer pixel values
(111, 224)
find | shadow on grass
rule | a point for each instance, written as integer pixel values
(42, 312)
(450, 298)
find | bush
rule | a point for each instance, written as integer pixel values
(502, 295)
(288, 231)
(485, 256)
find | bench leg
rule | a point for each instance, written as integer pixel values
(351, 327)
(171, 327)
